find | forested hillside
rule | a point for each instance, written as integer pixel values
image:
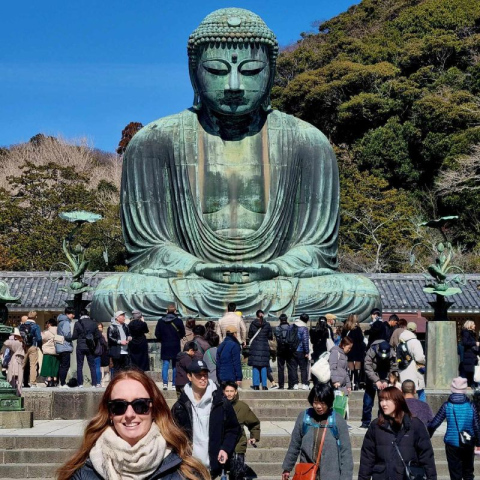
(395, 86)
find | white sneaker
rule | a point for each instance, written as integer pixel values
(165, 386)
(81, 386)
(295, 387)
(304, 387)
(172, 387)
(64, 386)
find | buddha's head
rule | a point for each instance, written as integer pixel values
(232, 58)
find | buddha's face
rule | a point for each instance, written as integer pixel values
(233, 81)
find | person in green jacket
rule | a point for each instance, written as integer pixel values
(247, 418)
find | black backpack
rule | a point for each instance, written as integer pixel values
(287, 339)
(403, 356)
(26, 331)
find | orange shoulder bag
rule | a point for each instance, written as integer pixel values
(308, 471)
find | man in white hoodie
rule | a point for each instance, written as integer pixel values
(207, 418)
(416, 368)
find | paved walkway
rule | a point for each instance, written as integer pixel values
(74, 428)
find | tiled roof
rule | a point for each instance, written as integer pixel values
(399, 292)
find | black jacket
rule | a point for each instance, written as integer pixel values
(224, 429)
(169, 331)
(469, 343)
(113, 334)
(80, 330)
(259, 350)
(167, 470)
(377, 331)
(379, 459)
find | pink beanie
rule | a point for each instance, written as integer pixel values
(459, 385)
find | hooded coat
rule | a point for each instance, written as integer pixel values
(259, 350)
(379, 459)
(377, 369)
(223, 426)
(229, 366)
(64, 328)
(169, 331)
(246, 418)
(338, 362)
(415, 349)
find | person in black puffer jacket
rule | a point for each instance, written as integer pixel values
(470, 350)
(259, 334)
(379, 459)
(82, 329)
(133, 435)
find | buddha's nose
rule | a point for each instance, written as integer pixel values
(234, 82)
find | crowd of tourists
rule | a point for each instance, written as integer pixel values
(135, 435)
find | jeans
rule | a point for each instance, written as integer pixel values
(460, 462)
(165, 367)
(368, 401)
(81, 354)
(422, 396)
(300, 360)
(64, 358)
(257, 373)
(291, 372)
(98, 369)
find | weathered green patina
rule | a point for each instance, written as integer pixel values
(231, 200)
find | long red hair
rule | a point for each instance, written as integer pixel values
(176, 440)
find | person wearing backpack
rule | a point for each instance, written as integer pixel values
(462, 423)
(169, 332)
(416, 367)
(336, 461)
(287, 343)
(32, 338)
(87, 335)
(379, 362)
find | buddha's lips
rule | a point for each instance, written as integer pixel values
(233, 100)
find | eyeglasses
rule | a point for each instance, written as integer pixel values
(141, 406)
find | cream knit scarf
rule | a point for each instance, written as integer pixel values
(114, 459)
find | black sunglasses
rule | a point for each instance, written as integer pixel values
(141, 406)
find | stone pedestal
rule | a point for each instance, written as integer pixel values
(16, 419)
(442, 356)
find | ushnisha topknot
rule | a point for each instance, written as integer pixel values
(232, 26)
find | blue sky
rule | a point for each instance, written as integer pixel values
(88, 68)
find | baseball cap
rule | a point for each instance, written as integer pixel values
(231, 329)
(412, 326)
(118, 313)
(197, 366)
(383, 350)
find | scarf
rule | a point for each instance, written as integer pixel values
(114, 459)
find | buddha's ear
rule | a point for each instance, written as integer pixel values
(266, 104)
(197, 101)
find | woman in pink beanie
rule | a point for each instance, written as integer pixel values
(462, 425)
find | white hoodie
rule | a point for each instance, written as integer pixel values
(201, 421)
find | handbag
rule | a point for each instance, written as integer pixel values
(464, 437)
(308, 471)
(476, 374)
(340, 404)
(412, 471)
(59, 339)
(246, 348)
(330, 344)
(321, 368)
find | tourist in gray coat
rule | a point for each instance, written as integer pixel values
(336, 462)
(338, 362)
(65, 349)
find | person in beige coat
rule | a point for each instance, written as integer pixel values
(414, 371)
(232, 319)
(51, 363)
(15, 367)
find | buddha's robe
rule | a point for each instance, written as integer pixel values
(170, 224)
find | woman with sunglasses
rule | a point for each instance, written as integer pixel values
(133, 436)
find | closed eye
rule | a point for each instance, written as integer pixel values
(216, 67)
(251, 67)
